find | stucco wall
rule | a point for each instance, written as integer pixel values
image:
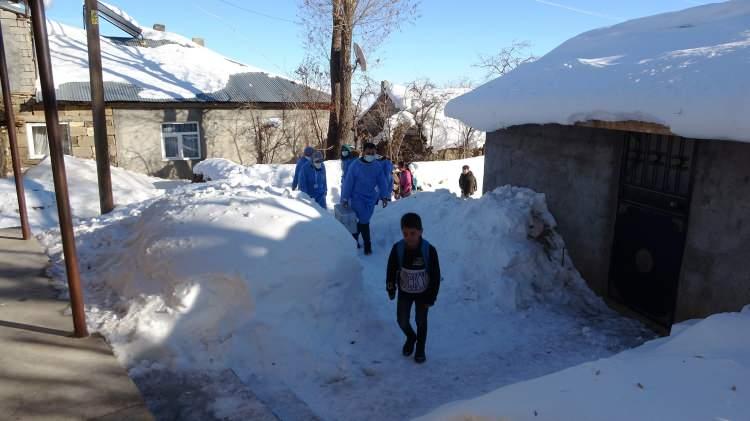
(716, 268)
(577, 168)
(224, 133)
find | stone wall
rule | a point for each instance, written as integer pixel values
(19, 55)
(577, 168)
(224, 133)
(715, 270)
(80, 126)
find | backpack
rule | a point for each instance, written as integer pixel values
(401, 249)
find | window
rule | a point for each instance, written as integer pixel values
(36, 134)
(180, 141)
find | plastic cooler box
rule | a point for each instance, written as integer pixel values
(347, 217)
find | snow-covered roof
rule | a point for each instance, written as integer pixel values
(442, 131)
(685, 70)
(162, 67)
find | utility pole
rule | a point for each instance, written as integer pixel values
(10, 121)
(41, 44)
(101, 146)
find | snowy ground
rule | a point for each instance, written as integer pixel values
(219, 292)
(701, 372)
(127, 188)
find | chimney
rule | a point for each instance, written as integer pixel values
(199, 41)
(160, 27)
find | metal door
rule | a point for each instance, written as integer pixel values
(651, 224)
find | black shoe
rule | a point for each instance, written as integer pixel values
(368, 249)
(420, 356)
(408, 348)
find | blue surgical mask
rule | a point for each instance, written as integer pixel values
(318, 164)
(344, 153)
(369, 158)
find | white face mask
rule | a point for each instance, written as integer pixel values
(369, 158)
(344, 153)
(317, 164)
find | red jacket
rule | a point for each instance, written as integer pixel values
(405, 183)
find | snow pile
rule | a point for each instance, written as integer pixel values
(682, 70)
(433, 175)
(83, 190)
(701, 372)
(161, 71)
(214, 272)
(508, 235)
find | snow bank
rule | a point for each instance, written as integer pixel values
(700, 373)
(127, 187)
(181, 69)
(432, 175)
(681, 70)
(508, 235)
(214, 272)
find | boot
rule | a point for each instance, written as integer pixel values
(419, 355)
(365, 230)
(408, 348)
(356, 238)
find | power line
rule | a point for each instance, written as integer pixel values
(255, 12)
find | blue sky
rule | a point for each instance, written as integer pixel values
(442, 44)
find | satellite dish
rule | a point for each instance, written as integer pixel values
(360, 57)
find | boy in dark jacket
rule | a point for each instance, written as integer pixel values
(413, 266)
(467, 182)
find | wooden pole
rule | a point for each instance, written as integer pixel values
(41, 44)
(10, 121)
(101, 146)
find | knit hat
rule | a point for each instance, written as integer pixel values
(347, 147)
(308, 150)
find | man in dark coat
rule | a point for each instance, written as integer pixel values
(467, 182)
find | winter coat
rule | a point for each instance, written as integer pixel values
(413, 259)
(468, 184)
(345, 164)
(313, 182)
(359, 188)
(300, 163)
(405, 183)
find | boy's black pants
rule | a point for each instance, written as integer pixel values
(403, 315)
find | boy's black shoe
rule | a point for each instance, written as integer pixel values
(408, 348)
(419, 356)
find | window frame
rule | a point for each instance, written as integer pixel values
(30, 139)
(180, 147)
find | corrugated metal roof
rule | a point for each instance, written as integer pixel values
(241, 88)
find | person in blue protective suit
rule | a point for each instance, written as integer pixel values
(387, 166)
(347, 157)
(358, 191)
(304, 160)
(312, 179)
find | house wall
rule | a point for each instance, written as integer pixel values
(715, 272)
(19, 55)
(577, 168)
(224, 133)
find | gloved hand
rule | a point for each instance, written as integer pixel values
(385, 202)
(345, 204)
(391, 291)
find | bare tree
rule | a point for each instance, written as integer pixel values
(314, 79)
(500, 64)
(338, 22)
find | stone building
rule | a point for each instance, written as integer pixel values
(170, 102)
(641, 149)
